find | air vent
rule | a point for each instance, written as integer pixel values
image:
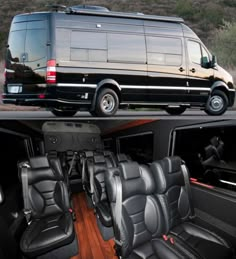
(79, 8)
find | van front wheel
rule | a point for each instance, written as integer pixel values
(175, 110)
(107, 103)
(63, 113)
(217, 103)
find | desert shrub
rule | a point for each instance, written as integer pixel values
(224, 44)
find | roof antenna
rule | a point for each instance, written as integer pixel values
(56, 7)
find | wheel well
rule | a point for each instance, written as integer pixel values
(113, 87)
(223, 89)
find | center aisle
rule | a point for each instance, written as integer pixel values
(91, 244)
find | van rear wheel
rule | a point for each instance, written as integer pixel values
(217, 103)
(107, 103)
(63, 113)
(175, 110)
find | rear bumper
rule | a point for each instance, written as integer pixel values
(34, 100)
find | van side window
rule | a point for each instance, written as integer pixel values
(205, 54)
(126, 48)
(164, 51)
(88, 46)
(194, 50)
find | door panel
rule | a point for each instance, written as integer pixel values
(200, 79)
(166, 69)
(216, 210)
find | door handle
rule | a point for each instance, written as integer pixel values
(181, 69)
(193, 70)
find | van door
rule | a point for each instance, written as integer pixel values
(200, 79)
(26, 55)
(14, 62)
(35, 55)
(166, 69)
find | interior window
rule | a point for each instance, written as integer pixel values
(210, 157)
(139, 147)
(194, 50)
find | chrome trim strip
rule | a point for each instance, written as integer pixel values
(77, 85)
(227, 182)
(166, 87)
(142, 87)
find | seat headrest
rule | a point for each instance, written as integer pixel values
(98, 159)
(38, 162)
(1, 195)
(88, 154)
(167, 173)
(130, 170)
(122, 158)
(106, 153)
(173, 164)
(136, 179)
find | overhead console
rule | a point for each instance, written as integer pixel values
(63, 136)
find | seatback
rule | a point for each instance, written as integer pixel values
(171, 190)
(48, 194)
(98, 181)
(110, 159)
(142, 218)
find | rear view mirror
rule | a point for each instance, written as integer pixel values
(213, 61)
(205, 62)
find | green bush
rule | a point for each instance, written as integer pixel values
(185, 9)
(224, 43)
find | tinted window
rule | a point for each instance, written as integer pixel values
(16, 46)
(164, 51)
(126, 48)
(194, 50)
(36, 44)
(210, 157)
(88, 46)
(139, 147)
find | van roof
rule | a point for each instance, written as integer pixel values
(107, 13)
(140, 16)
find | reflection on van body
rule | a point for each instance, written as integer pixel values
(100, 61)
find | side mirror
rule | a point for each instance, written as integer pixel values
(205, 62)
(214, 61)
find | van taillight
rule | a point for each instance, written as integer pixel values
(51, 71)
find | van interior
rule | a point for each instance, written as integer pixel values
(117, 189)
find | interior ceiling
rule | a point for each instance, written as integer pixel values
(104, 125)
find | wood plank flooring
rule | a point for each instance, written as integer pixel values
(91, 244)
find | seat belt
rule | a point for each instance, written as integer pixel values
(25, 188)
(83, 170)
(118, 213)
(188, 189)
(72, 163)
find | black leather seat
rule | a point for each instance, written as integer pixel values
(121, 157)
(142, 220)
(99, 190)
(175, 201)
(51, 224)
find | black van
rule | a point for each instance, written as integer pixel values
(88, 58)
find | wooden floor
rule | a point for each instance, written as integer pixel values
(91, 244)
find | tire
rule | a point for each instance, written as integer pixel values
(217, 103)
(63, 113)
(107, 103)
(175, 110)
